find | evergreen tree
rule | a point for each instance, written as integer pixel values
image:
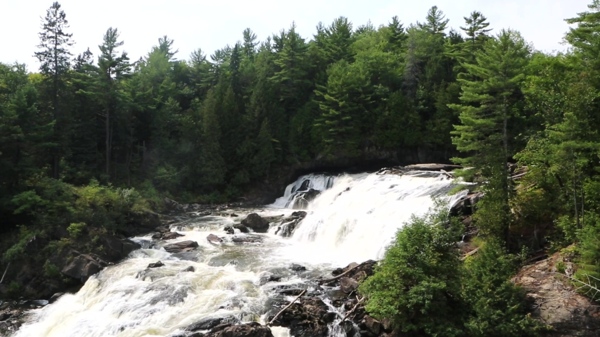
(490, 112)
(54, 60)
(112, 68)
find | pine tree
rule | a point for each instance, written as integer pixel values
(54, 58)
(112, 68)
(489, 112)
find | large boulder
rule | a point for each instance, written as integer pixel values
(556, 302)
(181, 247)
(116, 249)
(256, 223)
(82, 266)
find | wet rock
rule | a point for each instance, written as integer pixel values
(299, 214)
(307, 318)
(302, 199)
(214, 239)
(209, 323)
(243, 330)
(348, 285)
(247, 239)
(372, 325)
(256, 223)
(229, 230)
(38, 303)
(349, 328)
(55, 297)
(82, 266)
(156, 264)
(241, 228)
(189, 269)
(267, 277)
(296, 267)
(287, 229)
(116, 249)
(183, 246)
(171, 236)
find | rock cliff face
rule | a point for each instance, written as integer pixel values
(556, 302)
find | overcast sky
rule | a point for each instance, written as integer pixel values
(211, 25)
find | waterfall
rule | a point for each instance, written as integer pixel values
(353, 218)
(356, 218)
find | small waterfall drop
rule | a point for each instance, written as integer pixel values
(357, 217)
(352, 218)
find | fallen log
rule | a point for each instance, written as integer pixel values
(286, 307)
(353, 309)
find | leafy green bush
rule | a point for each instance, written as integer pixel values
(496, 306)
(76, 229)
(16, 250)
(588, 259)
(417, 285)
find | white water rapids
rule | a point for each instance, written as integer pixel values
(352, 220)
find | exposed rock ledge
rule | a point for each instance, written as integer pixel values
(556, 303)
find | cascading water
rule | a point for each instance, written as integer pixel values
(352, 219)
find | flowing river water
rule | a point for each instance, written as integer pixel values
(353, 219)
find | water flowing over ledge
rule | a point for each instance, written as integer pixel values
(352, 218)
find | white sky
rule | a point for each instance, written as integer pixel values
(211, 25)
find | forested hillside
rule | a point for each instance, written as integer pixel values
(207, 127)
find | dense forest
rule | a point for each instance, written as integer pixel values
(102, 131)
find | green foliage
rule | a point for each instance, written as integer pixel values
(588, 259)
(417, 285)
(16, 251)
(76, 229)
(51, 270)
(497, 307)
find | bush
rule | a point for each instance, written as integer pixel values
(588, 259)
(496, 305)
(417, 285)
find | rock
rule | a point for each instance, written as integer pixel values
(299, 214)
(348, 285)
(247, 239)
(267, 277)
(302, 199)
(241, 228)
(229, 230)
(170, 236)
(189, 269)
(297, 267)
(116, 249)
(156, 264)
(372, 325)
(183, 246)
(209, 323)
(287, 229)
(307, 318)
(55, 297)
(82, 266)
(556, 302)
(243, 330)
(256, 223)
(214, 239)
(173, 205)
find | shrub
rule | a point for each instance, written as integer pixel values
(417, 285)
(497, 307)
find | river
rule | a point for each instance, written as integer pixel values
(353, 219)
